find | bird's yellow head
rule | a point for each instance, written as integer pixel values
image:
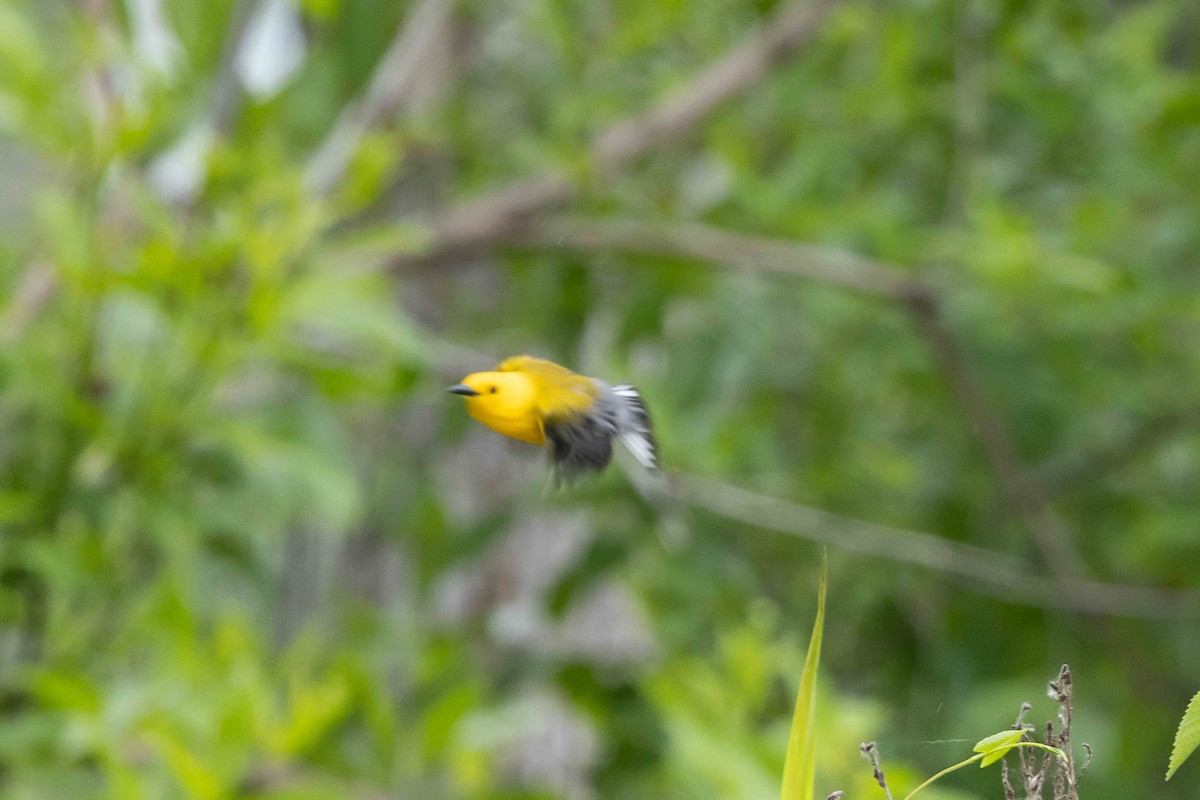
(504, 401)
(495, 388)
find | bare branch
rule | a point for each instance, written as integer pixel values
(750, 253)
(1025, 758)
(977, 568)
(870, 751)
(736, 71)
(983, 570)
(738, 251)
(1023, 495)
(1009, 792)
(1066, 781)
(390, 86)
(487, 218)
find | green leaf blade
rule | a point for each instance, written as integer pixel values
(996, 746)
(799, 767)
(1187, 738)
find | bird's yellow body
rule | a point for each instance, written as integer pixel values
(576, 417)
(523, 392)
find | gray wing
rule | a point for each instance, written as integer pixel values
(585, 443)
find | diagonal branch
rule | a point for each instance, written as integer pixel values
(738, 251)
(981, 569)
(976, 568)
(735, 250)
(1022, 494)
(738, 70)
(486, 219)
(391, 84)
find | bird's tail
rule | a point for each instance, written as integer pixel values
(634, 428)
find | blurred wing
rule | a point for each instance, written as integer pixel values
(635, 429)
(583, 442)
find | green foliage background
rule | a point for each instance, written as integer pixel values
(250, 549)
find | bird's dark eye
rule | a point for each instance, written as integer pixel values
(493, 390)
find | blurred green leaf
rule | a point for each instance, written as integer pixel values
(995, 747)
(799, 768)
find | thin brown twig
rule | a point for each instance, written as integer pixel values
(1066, 778)
(1032, 771)
(1009, 792)
(488, 218)
(870, 751)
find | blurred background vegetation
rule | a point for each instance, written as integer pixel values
(251, 549)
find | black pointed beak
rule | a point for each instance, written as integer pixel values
(463, 389)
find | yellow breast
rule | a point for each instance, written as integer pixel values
(523, 392)
(517, 422)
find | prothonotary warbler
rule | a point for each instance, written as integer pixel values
(575, 417)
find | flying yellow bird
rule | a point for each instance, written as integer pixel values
(574, 416)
